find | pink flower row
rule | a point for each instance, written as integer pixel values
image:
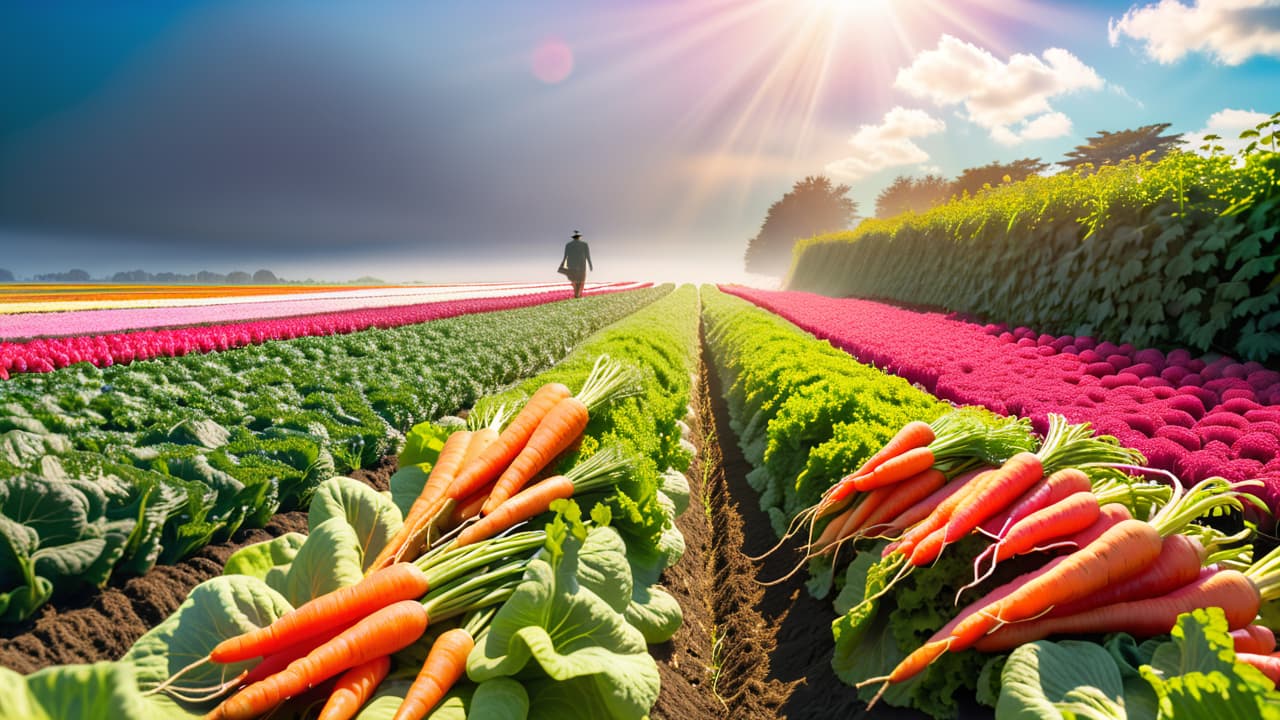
(1196, 417)
(48, 354)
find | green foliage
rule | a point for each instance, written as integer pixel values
(1193, 674)
(973, 180)
(908, 194)
(192, 448)
(814, 205)
(564, 622)
(1112, 147)
(1177, 253)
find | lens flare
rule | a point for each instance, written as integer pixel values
(552, 61)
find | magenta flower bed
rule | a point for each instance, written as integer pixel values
(47, 354)
(1193, 417)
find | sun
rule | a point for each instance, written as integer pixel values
(847, 9)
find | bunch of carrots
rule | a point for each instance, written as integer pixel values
(451, 559)
(1113, 571)
(485, 473)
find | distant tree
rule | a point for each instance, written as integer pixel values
(265, 277)
(914, 194)
(239, 277)
(213, 278)
(813, 206)
(1109, 148)
(368, 280)
(974, 179)
(77, 275)
(6, 275)
(132, 276)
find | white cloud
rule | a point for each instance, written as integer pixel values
(889, 144)
(1232, 31)
(1009, 99)
(1227, 124)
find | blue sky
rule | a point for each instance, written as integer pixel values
(459, 141)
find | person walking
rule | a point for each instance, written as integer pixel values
(576, 260)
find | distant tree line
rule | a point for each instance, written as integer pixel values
(917, 194)
(204, 277)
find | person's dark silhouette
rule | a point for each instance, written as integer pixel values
(577, 258)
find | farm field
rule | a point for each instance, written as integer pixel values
(752, 442)
(900, 360)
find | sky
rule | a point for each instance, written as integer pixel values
(463, 141)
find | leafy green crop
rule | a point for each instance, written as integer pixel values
(192, 448)
(1180, 252)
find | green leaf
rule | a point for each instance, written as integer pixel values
(675, 486)
(500, 699)
(56, 511)
(1050, 679)
(258, 559)
(329, 559)
(101, 691)
(561, 628)
(371, 514)
(215, 610)
(422, 444)
(1197, 677)
(406, 484)
(655, 613)
(202, 433)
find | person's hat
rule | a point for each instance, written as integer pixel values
(576, 235)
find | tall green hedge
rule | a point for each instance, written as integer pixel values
(1177, 253)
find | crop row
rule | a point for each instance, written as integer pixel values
(898, 611)
(118, 468)
(1179, 253)
(1192, 417)
(568, 640)
(93, 338)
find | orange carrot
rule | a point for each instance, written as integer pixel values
(480, 441)
(354, 688)
(831, 533)
(1177, 564)
(896, 469)
(497, 456)
(1254, 639)
(423, 508)
(472, 506)
(559, 429)
(1121, 552)
(381, 633)
(915, 434)
(862, 511)
(531, 501)
(942, 513)
(900, 497)
(402, 581)
(1001, 488)
(445, 664)
(1057, 486)
(921, 510)
(1048, 524)
(1230, 590)
(1269, 665)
